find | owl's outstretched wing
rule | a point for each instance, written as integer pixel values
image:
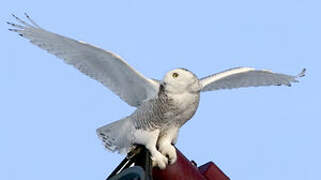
(104, 66)
(246, 77)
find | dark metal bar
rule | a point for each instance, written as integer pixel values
(119, 168)
(140, 156)
(143, 160)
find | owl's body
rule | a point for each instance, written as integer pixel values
(159, 117)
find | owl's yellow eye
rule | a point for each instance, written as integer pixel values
(175, 75)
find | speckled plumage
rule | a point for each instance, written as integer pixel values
(162, 112)
(152, 113)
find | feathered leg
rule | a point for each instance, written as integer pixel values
(165, 144)
(149, 140)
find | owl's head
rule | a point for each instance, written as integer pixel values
(181, 80)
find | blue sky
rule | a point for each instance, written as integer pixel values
(50, 111)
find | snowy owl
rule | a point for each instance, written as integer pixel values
(162, 106)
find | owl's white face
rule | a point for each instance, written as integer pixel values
(181, 80)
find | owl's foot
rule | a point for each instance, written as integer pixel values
(169, 151)
(159, 160)
(149, 140)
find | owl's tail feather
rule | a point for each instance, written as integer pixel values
(117, 136)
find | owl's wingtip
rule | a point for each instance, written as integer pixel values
(302, 73)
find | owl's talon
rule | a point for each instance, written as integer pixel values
(170, 152)
(159, 160)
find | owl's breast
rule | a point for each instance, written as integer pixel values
(186, 105)
(166, 111)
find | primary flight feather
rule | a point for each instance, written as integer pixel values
(162, 106)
